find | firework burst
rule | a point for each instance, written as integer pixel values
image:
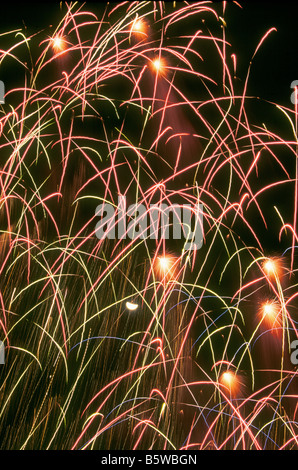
(136, 341)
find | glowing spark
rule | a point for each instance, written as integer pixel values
(271, 314)
(165, 263)
(231, 381)
(158, 65)
(269, 266)
(58, 43)
(131, 306)
(139, 28)
(165, 266)
(273, 267)
(156, 144)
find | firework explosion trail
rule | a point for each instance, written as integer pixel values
(136, 341)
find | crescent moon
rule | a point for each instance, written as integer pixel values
(131, 306)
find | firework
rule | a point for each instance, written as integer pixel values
(139, 342)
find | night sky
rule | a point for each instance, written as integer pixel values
(274, 66)
(141, 346)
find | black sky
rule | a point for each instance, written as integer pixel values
(274, 67)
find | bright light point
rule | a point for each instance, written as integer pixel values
(230, 380)
(58, 44)
(269, 309)
(139, 27)
(271, 316)
(269, 266)
(131, 306)
(273, 267)
(158, 65)
(165, 263)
